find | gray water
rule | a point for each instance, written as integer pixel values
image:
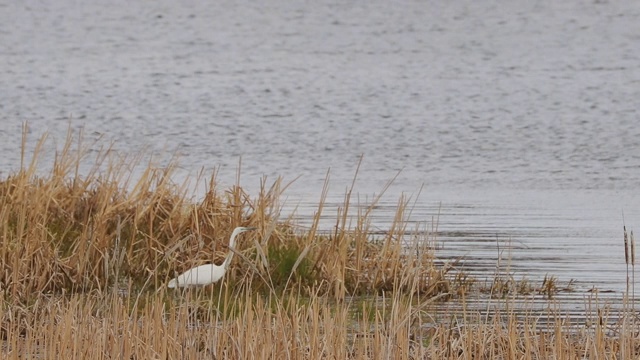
(520, 119)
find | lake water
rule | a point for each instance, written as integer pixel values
(520, 119)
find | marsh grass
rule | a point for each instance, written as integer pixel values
(84, 260)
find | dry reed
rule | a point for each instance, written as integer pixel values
(84, 259)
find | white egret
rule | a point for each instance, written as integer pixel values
(209, 273)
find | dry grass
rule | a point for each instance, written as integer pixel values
(84, 260)
(67, 233)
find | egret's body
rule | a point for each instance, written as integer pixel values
(209, 273)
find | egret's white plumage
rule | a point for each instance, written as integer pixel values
(209, 273)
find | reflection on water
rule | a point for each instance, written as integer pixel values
(576, 238)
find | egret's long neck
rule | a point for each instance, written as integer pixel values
(232, 243)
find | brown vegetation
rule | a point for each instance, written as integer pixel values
(84, 260)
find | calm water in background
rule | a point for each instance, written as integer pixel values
(520, 119)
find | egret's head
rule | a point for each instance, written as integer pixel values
(246, 228)
(241, 229)
(237, 231)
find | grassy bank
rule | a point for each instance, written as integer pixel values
(84, 260)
